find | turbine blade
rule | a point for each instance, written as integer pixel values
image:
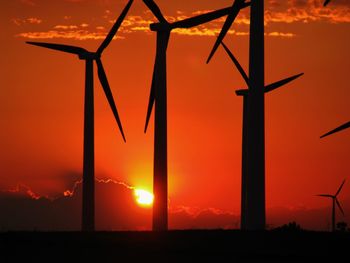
(326, 3)
(330, 196)
(152, 97)
(201, 19)
(105, 85)
(340, 208)
(237, 64)
(340, 128)
(59, 47)
(341, 186)
(281, 83)
(234, 11)
(115, 28)
(155, 10)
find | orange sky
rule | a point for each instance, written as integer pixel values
(41, 100)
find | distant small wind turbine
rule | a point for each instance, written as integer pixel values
(245, 93)
(338, 129)
(158, 97)
(326, 2)
(88, 206)
(334, 202)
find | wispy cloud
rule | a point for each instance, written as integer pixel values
(71, 34)
(280, 34)
(29, 20)
(34, 20)
(66, 27)
(307, 11)
(75, 32)
(63, 211)
(33, 210)
(286, 12)
(23, 189)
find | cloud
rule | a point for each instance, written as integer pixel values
(199, 31)
(25, 191)
(136, 23)
(307, 11)
(116, 209)
(34, 20)
(66, 27)
(67, 34)
(183, 217)
(280, 34)
(75, 32)
(29, 20)
(141, 24)
(288, 12)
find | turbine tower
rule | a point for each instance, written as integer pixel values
(253, 153)
(254, 137)
(338, 129)
(158, 97)
(88, 199)
(245, 93)
(334, 202)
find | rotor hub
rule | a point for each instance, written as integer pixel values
(242, 92)
(160, 27)
(89, 56)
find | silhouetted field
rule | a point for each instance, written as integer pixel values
(176, 246)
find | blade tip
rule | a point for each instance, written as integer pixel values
(123, 135)
(324, 135)
(209, 58)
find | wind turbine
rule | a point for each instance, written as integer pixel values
(253, 153)
(158, 97)
(88, 199)
(338, 129)
(245, 93)
(334, 202)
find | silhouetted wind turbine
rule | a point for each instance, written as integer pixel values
(158, 96)
(88, 206)
(245, 93)
(334, 201)
(338, 129)
(253, 155)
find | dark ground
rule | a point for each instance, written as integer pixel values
(175, 246)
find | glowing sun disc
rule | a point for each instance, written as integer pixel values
(143, 197)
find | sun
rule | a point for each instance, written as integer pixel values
(143, 197)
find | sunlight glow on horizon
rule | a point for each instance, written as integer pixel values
(143, 197)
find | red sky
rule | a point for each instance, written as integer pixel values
(41, 101)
